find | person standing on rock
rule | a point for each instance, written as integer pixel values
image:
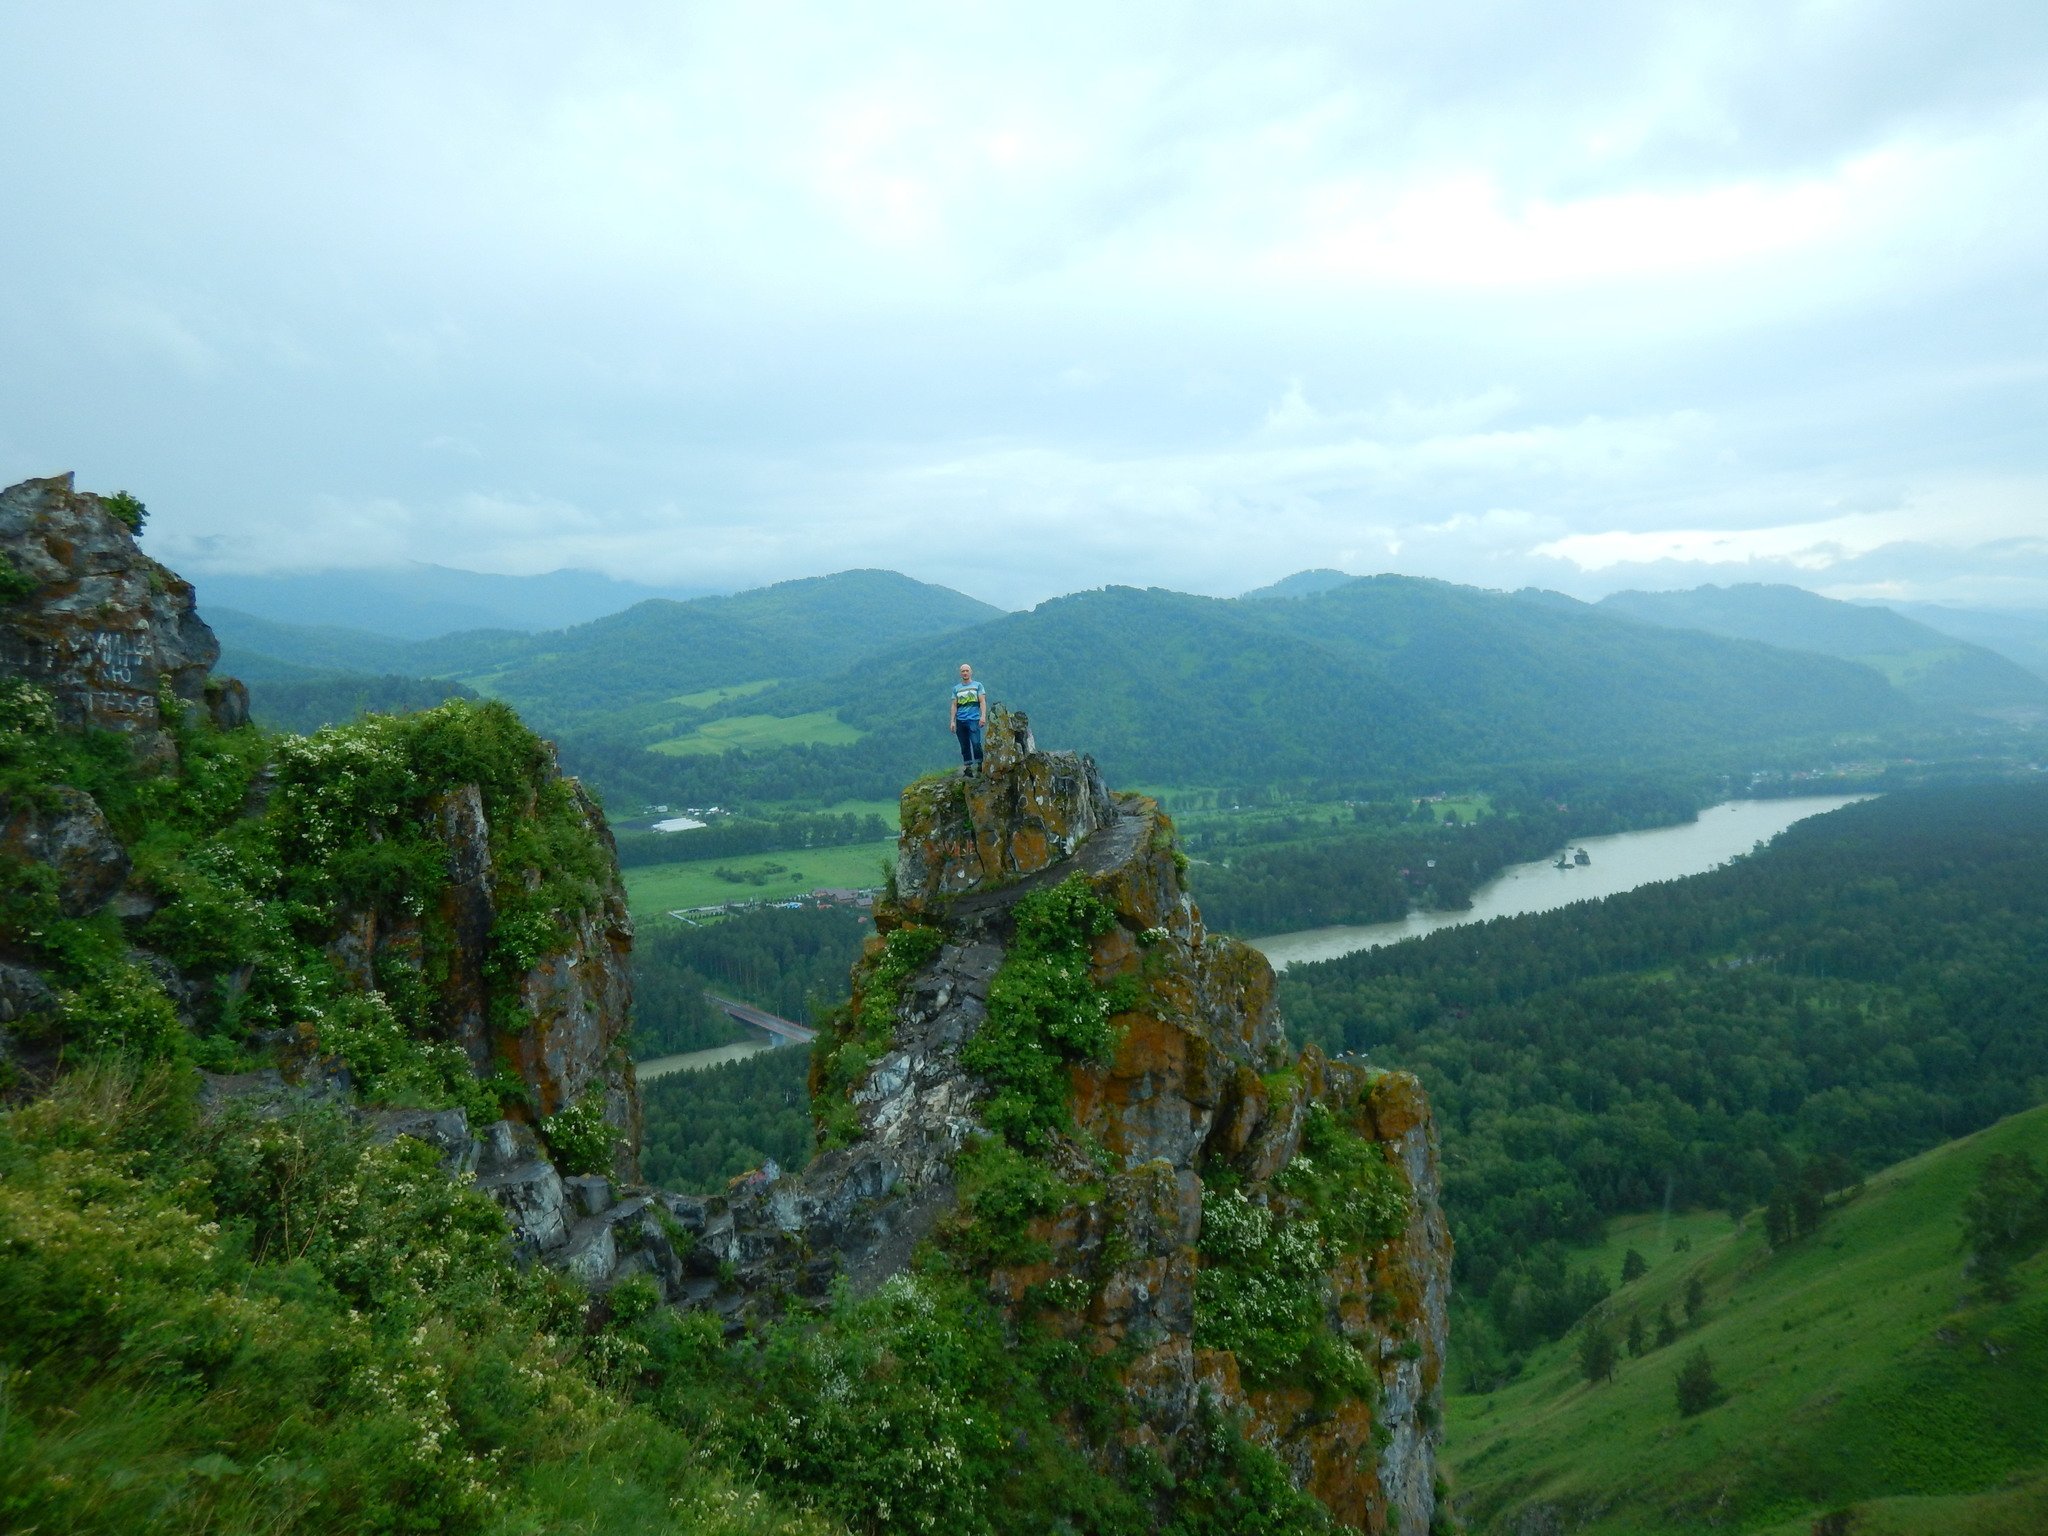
(968, 699)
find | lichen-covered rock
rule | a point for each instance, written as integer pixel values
(107, 630)
(68, 834)
(116, 641)
(1198, 1085)
(567, 1034)
(1024, 811)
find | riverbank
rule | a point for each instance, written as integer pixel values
(1620, 862)
(697, 1061)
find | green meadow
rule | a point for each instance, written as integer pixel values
(710, 697)
(1859, 1374)
(655, 889)
(819, 728)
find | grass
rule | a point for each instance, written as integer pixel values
(655, 889)
(820, 728)
(714, 696)
(1858, 1373)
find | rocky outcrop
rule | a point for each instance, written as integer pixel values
(115, 641)
(567, 1032)
(108, 631)
(1200, 1092)
(1025, 811)
(68, 833)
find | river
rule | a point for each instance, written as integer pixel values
(1621, 862)
(697, 1061)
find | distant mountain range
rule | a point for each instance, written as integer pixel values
(418, 602)
(2020, 637)
(1926, 664)
(1321, 676)
(624, 664)
(1383, 675)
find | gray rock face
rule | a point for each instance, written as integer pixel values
(23, 994)
(107, 627)
(72, 838)
(1201, 1077)
(575, 1004)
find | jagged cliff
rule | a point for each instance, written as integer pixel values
(1050, 1083)
(427, 903)
(1242, 1233)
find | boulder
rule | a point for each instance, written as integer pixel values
(108, 631)
(67, 832)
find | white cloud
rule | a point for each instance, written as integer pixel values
(1044, 298)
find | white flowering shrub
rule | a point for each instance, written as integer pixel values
(580, 1137)
(1261, 1291)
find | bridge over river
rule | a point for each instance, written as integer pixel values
(779, 1031)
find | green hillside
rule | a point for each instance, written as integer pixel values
(1861, 1373)
(655, 669)
(2020, 637)
(1546, 679)
(1871, 985)
(254, 648)
(1385, 678)
(1928, 666)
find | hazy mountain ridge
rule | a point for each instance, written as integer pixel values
(1929, 666)
(2018, 637)
(1371, 679)
(1380, 676)
(651, 652)
(417, 601)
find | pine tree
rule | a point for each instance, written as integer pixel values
(1778, 1218)
(1597, 1355)
(1636, 1343)
(1667, 1330)
(1633, 1266)
(1697, 1389)
(1695, 1300)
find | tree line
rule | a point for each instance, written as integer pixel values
(791, 963)
(1869, 986)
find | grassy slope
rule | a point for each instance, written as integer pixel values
(655, 889)
(1856, 1369)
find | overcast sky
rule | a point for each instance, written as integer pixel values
(1030, 298)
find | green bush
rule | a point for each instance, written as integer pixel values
(265, 1324)
(15, 583)
(1044, 1013)
(127, 510)
(580, 1137)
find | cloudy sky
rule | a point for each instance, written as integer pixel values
(1028, 298)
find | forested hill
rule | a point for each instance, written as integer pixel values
(1872, 984)
(1383, 677)
(641, 658)
(1927, 665)
(835, 687)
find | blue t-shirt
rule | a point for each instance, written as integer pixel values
(967, 701)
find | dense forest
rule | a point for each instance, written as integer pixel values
(788, 962)
(703, 1127)
(1870, 985)
(308, 703)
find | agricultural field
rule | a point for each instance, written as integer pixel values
(1859, 1373)
(711, 697)
(655, 889)
(820, 728)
